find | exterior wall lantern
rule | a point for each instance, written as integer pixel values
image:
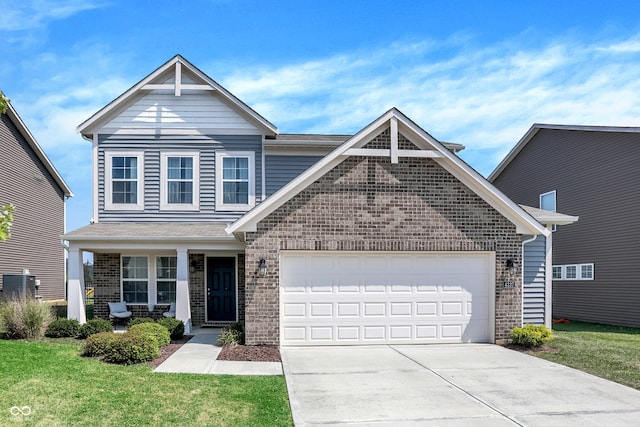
(262, 267)
(193, 266)
(511, 266)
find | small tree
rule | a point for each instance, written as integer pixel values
(6, 219)
(4, 103)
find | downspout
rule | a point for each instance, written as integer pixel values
(524, 242)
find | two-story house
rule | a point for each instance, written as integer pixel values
(590, 171)
(30, 182)
(382, 236)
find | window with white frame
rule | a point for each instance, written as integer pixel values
(166, 269)
(573, 272)
(135, 279)
(548, 203)
(123, 181)
(235, 180)
(180, 181)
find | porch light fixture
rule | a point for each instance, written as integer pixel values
(262, 267)
(511, 266)
(193, 266)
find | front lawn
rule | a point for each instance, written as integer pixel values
(610, 352)
(61, 388)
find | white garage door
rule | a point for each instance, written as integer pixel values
(330, 298)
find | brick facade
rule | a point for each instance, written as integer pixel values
(370, 204)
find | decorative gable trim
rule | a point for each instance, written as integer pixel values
(177, 66)
(427, 145)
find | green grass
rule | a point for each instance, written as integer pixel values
(64, 389)
(610, 352)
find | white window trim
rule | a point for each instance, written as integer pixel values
(155, 279)
(578, 271)
(164, 193)
(554, 227)
(108, 204)
(152, 280)
(220, 206)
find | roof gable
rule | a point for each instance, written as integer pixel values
(24, 131)
(422, 145)
(139, 106)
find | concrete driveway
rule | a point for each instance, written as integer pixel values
(448, 385)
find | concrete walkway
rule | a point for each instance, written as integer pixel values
(448, 385)
(198, 356)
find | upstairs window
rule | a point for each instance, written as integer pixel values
(180, 183)
(235, 180)
(573, 272)
(548, 203)
(123, 186)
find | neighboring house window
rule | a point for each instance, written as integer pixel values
(548, 203)
(166, 268)
(135, 279)
(573, 272)
(235, 180)
(180, 181)
(123, 181)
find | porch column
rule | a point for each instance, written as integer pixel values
(183, 302)
(548, 298)
(75, 287)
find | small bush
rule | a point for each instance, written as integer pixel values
(133, 348)
(95, 326)
(531, 335)
(232, 334)
(25, 318)
(61, 328)
(100, 344)
(159, 332)
(139, 320)
(174, 326)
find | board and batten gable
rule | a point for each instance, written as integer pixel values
(595, 175)
(39, 213)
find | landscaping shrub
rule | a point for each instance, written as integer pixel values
(130, 348)
(232, 334)
(159, 332)
(139, 320)
(100, 344)
(25, 318)
(531, 335)
(95, 326)
(61, 328)
(174, 326)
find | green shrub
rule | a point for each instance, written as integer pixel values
(61, 328)
(95, 326)
(100, 344)
(174, 326)
(139, 320)
(25, 318)
(159, 332)
(133, 348)
(232, 334)
(531, 335)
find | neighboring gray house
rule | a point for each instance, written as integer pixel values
(386, 236)
(591, 171)
(31, 183)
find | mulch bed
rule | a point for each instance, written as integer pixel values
(523, 349)
(236, 352)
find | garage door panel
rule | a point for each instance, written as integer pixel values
(410, 298)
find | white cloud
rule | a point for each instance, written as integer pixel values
(31, 14)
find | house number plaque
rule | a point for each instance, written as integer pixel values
(509, 285)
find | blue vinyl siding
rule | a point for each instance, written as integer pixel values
(534, 282)
(280, 169)
(152, 147)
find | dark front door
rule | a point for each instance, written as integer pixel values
(221, 289)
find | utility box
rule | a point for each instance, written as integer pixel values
(17, 286)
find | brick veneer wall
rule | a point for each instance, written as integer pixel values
(196, 289)
(369, 204)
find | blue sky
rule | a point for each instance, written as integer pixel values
(479, 73)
